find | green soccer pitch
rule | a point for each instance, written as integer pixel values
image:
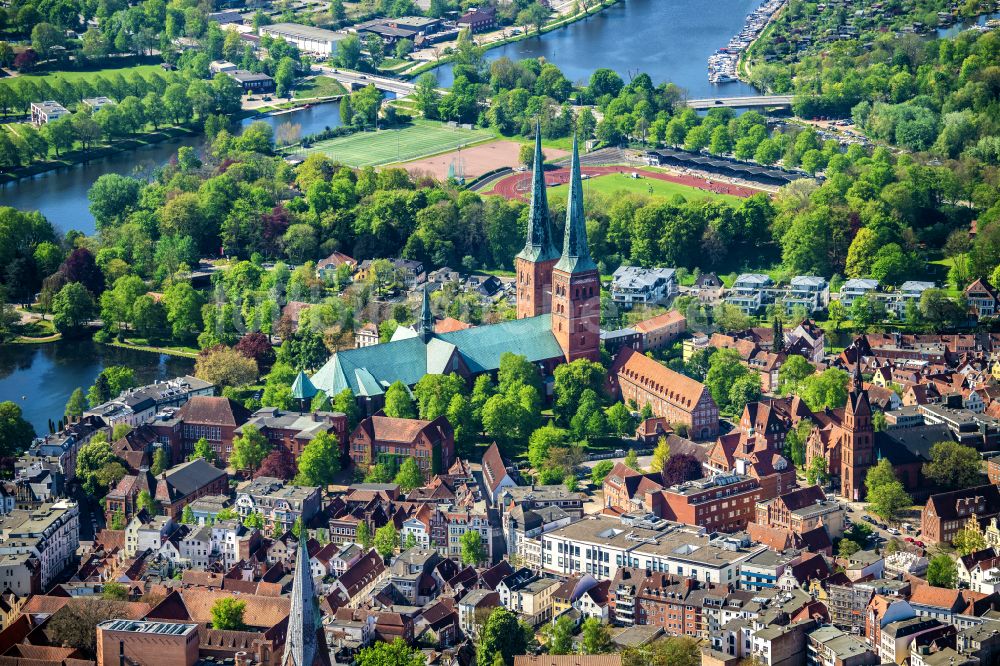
(421, 139)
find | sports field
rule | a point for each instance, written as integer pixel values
(421, 139)
(617, 182)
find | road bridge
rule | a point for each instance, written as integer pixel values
(750, 102)
(356, 80)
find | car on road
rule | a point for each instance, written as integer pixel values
(867, 519)
(718, 101)
(893, 531)
(918, 543)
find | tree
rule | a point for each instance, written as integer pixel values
(571, 380)
(409, 476)
(386, 539)
(632, 460)
(227, 614)
(249, 449)
(660, 454)
(398, 402)
(599, 471)
(942, 571)
(363, 535)
(596, 638)
(347, 403)
(117, 520)
(724, 368)
(187, 515)
(72, 308)
(76, 404)
(620, 419)
(145, 501)
(160, 462)
(114, 591)
(254, 521)
(744, 390)
(112, 197)
(202, 449)
(817, 472)
(681, 467)
(847, 548)
(542, 441)
(284, 77)
(434, 394)
(224, 366)
(473, 549)
(970, 539)
(16, 434)
(426, 95)
(827, 389)
(793, 371)
(953, 465)
(560, 635)
(75, 625)
(319, 462)
(501, 635)
(396, 653)
(97, 467)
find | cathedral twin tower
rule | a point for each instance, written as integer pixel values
(566, 285)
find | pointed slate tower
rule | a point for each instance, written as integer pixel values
(425, 328)
(301, 644)
(576, 286)
(534, 263)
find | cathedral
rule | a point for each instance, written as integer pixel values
(558, 313)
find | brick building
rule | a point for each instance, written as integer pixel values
(721, 503)
(660, 331)
(182, 484)
(947, 513)
(390, 440)
(680, 399)
(214, 418)
(141, 643)
(294, 430)
(801, 510)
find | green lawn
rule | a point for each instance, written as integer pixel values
(421, 139)
(321, 86)
(616, 182)
(91, 75)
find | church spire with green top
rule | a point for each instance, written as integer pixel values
(575, 254)
(426, 327)
(538, 246)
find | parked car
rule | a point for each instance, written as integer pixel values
(918, 543)
(893, 531)
(867, 519)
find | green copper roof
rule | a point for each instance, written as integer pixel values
(575, 254)
(538, 245)
(368, 371)
(302, 388)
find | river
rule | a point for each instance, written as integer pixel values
(40, 378)
(670, 41)
(62, 195)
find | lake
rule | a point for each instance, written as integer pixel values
(62, 195)
(670, 41)
(40, 378)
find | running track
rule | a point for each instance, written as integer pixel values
(507, 187)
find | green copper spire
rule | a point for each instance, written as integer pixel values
(303, 388)
(538, 246)
(426, 330)
(575, 254)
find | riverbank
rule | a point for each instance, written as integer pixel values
(179, 352)
(743, 64)
(555, 25)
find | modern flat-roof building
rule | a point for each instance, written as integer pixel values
(856, 288)
(631, 285)
(307, 38)
(46, 112)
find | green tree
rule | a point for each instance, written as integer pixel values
(227, 614)
(254, 521)
(596, 638)
(224, 366)
(620, 419)
(571, 380)
(97, 467)
(599, 471)
(724, 368)
(145, 501)
(473, 549)
(793, 371)
(363, 535)
(827, 389)
(816, 472)
(15, 433)
(320, 461)
(187, 515)
(396, 653)
(970, 538)
(744, 390)
(117, 520)
(942, 571)
(847, 548)
(660, 455)
(632, 460)
(386, 539)
(560, 635)
(409, 476)
(72, 308)
(953, 465)
(76, 404)
(888, 499)
(114, 591)
(347, 403)
(202, 449)
(249, 449)
(501, 635)
(398, 402)
(112, 197)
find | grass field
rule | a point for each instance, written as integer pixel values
(142, 70)
(421, 139)
(321, 86)
(616, 182)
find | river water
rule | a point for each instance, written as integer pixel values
(669, 40)
(62, 195)
(40, 378)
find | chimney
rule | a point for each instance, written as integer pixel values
(241, 659)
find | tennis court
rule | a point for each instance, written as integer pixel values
(420, 139)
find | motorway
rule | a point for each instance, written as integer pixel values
(741, 102)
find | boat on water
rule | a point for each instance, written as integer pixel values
(722, 64)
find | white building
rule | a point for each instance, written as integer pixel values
(46, 112)
(855, 288)
(749, 292)
(307, 38)
(51, 533)
(909, 292)
(631, 285)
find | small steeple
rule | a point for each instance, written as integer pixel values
(301, 643)
(538, 245)
(575, 253)
(426, 330)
